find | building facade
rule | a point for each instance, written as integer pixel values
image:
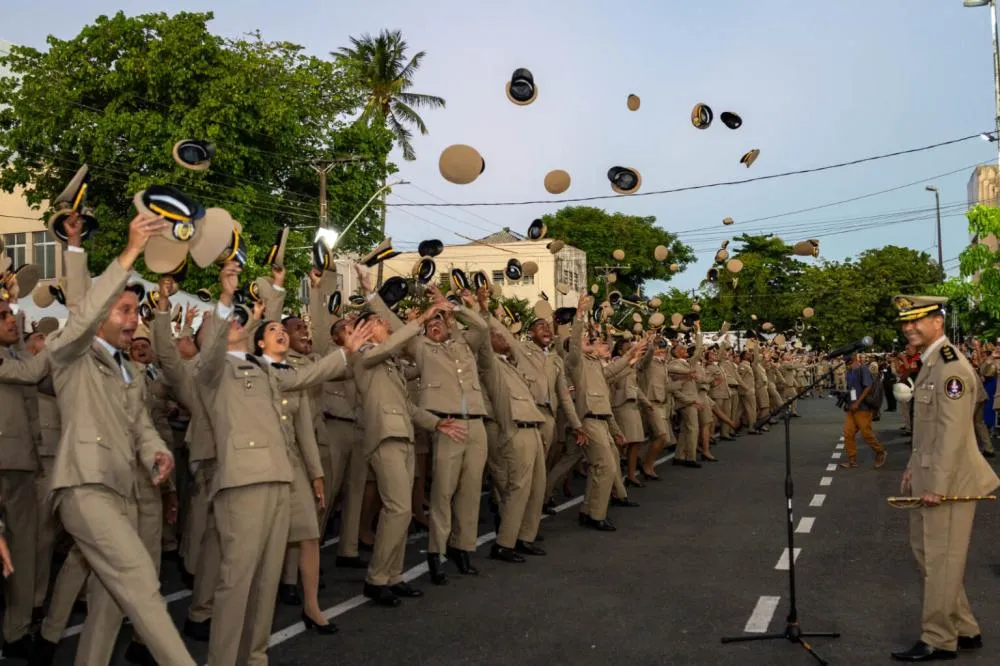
(984, 188)
(491, 255)
(25, 238)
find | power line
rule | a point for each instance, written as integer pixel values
(688, 188)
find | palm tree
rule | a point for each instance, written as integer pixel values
(381, 65)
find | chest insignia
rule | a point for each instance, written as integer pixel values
(249, 385)
(954, 388)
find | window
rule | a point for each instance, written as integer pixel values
(498, 277)
(43, 253)
(527, 279)
(16, 248)
(444, 280)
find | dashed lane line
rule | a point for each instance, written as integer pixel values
(836, 455)
(826, 480)
(805, 525)
(760, 619)
(832, 467)
(782, 564)
(817, 500)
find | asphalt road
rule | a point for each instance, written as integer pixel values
(700, 559)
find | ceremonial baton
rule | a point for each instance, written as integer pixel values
(916, 502)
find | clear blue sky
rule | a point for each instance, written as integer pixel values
(816, 83)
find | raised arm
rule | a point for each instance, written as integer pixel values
(26, 372)
(212, 357)
(178, 373)
(319, 316)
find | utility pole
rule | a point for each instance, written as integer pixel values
(323, 167)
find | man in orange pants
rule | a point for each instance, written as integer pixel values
(858, 417)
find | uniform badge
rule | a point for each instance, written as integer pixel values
(954, 388)
(249, 385)
(948, 354)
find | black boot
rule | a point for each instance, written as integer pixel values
(527, 548)
(462, 561)
(199, 631)
(438, 576)
(498, 552)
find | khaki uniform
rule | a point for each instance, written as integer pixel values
(593, 407)
(18, 492)
(522, 453)
(718, 391)
(449, 387)
(659, 389)
(946, 461)
(732, 375)
(251, 489)
(388, 432)
(685, 399)
(200, 547)
(106, 427)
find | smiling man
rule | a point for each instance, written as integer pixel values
(945, 462)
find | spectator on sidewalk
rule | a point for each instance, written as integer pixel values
(858, 417)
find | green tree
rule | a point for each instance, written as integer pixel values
(125, 89)
(381, 67)
(977, 292)
(599, 234)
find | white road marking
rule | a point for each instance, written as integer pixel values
(782, 564)
(805, 525)
(410, 574)
(831, 467)
(836, 456)
(817, 500)
(840, 446)
(826, 480)
(760, 619)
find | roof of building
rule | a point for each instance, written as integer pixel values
(505, 235)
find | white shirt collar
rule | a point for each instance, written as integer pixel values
(926, 354)
(111, 349)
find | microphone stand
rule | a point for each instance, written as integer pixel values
(793, 632)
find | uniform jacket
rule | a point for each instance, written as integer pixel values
(946, 459)
(106, 425)
(590, 379)
(18, 408)
(388, 412)
(511, 398)
(244, 396)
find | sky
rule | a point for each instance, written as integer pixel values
(815, 83)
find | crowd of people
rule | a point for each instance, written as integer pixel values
(226, 446)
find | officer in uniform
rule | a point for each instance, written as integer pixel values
(945, 462)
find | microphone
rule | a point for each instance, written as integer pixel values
(863, 343)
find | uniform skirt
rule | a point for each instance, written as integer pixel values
(657, 419)
(304, 514)
(630, 421)
(705, 415)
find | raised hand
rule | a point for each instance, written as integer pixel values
(229, 278)
(358, 335)
(164, 286)
(140, 230)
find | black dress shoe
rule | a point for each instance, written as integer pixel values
(526, 548)
(602, 525)
(406, 590)
(629, 483)
(549, 508)
(199, 631)
(677, 461)
(691, 463)
(44, 653)
(323, 629)
(137, 653)
(498, 552)
(462, 561)
(623, 502)
(22, 648)
(436, 567)
(583, 519)
(382, 595)
(289, 595)
(970, 642)
(351, 562)
(924, 652)
(538, 538)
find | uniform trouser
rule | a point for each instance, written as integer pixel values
(939, 537)
(150, 525)
(548, 433)
(197, 516)
(393, 463)
(774, 398)
(457, 482)
(208, 565)
(70, 580)
(904, 413)
(253, 523)
(982, 432)
(748, 402)
(761, 392)
(345, 473)
(105, 527)
(726, 407)
(48, 527)
(571, 454)
(524, 491)
(603, 458)
(19, 501)
(171, 538)
(687, 444)
(735, 406)
(859, 421)
(495, 461)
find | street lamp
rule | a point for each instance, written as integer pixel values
(937, 205)
(996, 63)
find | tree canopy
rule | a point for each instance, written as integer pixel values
(125, 89)
(599, 234)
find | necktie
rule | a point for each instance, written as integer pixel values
(151, 373)
(121, 366)
(253, 359)
(13, 353)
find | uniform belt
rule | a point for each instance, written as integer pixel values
(331, 417)
(520, 424)
(459, 417)
(599, 417)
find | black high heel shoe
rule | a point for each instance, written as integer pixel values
(323, 629)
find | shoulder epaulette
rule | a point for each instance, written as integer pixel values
(948, 353)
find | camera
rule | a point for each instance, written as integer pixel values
(843, 398)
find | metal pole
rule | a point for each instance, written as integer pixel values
(996, 76)
(378, 281)
(937, 206)
(324, 220)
